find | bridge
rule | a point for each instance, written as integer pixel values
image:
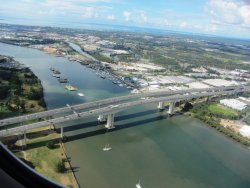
(106, 109)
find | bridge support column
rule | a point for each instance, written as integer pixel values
(61, 132)
(161, 106)
(110, 121)
(209, 99)
(171, 108)
(102, 118)
(51, 126)
(24, 138)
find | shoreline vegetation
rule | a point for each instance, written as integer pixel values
(21, 92)
(218, 117)
(45, 152)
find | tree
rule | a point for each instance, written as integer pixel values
(22, 105)
(60, 167)
(51, 144)
(187, 107)
(4, 91)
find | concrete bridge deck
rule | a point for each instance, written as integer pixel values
(112, 109)
(109, 101)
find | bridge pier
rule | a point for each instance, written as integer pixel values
(110, 121)
(209, 99)
(102, 118)
(51, 126)
(171, 108)
(24, 138)
(161, 106)
(61, 132)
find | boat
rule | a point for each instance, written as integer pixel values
(134, 91)
(63, 80)
(138, 185)
(56, 75)
(102, 76)
(70, 88)
(56, 72)
(106, 148)
(80, 94)
(52, 69)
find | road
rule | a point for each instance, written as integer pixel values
(111, 109)
(109, 101)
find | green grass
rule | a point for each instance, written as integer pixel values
(247, 120)
(219, 109)
(44, 159)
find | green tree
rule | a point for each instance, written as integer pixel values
(60, 166)
(51, 144)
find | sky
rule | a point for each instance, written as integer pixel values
(229, 18)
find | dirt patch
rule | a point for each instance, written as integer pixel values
(234, 125)
(50, 50)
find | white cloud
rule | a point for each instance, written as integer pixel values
(183, 24)
(76, 1)
(245, 14)
(88, 12)
(111, 17)
(126, 15)
(27, 1)
(211, 28)
(166, 23)
(143, 17)
(229, 12)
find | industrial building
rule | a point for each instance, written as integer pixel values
(245, 131)
(234, 104)
(219, 82)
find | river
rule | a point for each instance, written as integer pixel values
(147, 146)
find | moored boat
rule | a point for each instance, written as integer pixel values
(81, 94)
(106, 148)
(63, 80)
(70, 88)
(56, 71)
(138, 185)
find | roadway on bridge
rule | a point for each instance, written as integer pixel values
(102, 103)
(111, 109)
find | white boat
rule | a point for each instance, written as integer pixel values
(134, 91)
(80, 94)
(138, 185)
(106, 148)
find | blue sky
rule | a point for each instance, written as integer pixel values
(215, 17)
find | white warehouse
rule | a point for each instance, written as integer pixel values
(234, 104)
(245, 131)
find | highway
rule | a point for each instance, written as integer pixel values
(104, 102)
(111, 109)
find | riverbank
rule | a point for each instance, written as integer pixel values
(220, 118)
(21, 92)
(45, 152)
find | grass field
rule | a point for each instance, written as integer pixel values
(247, 120)
(222, 110)
(44, 159)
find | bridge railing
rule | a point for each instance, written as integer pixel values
(109, 101)
(123, 106)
